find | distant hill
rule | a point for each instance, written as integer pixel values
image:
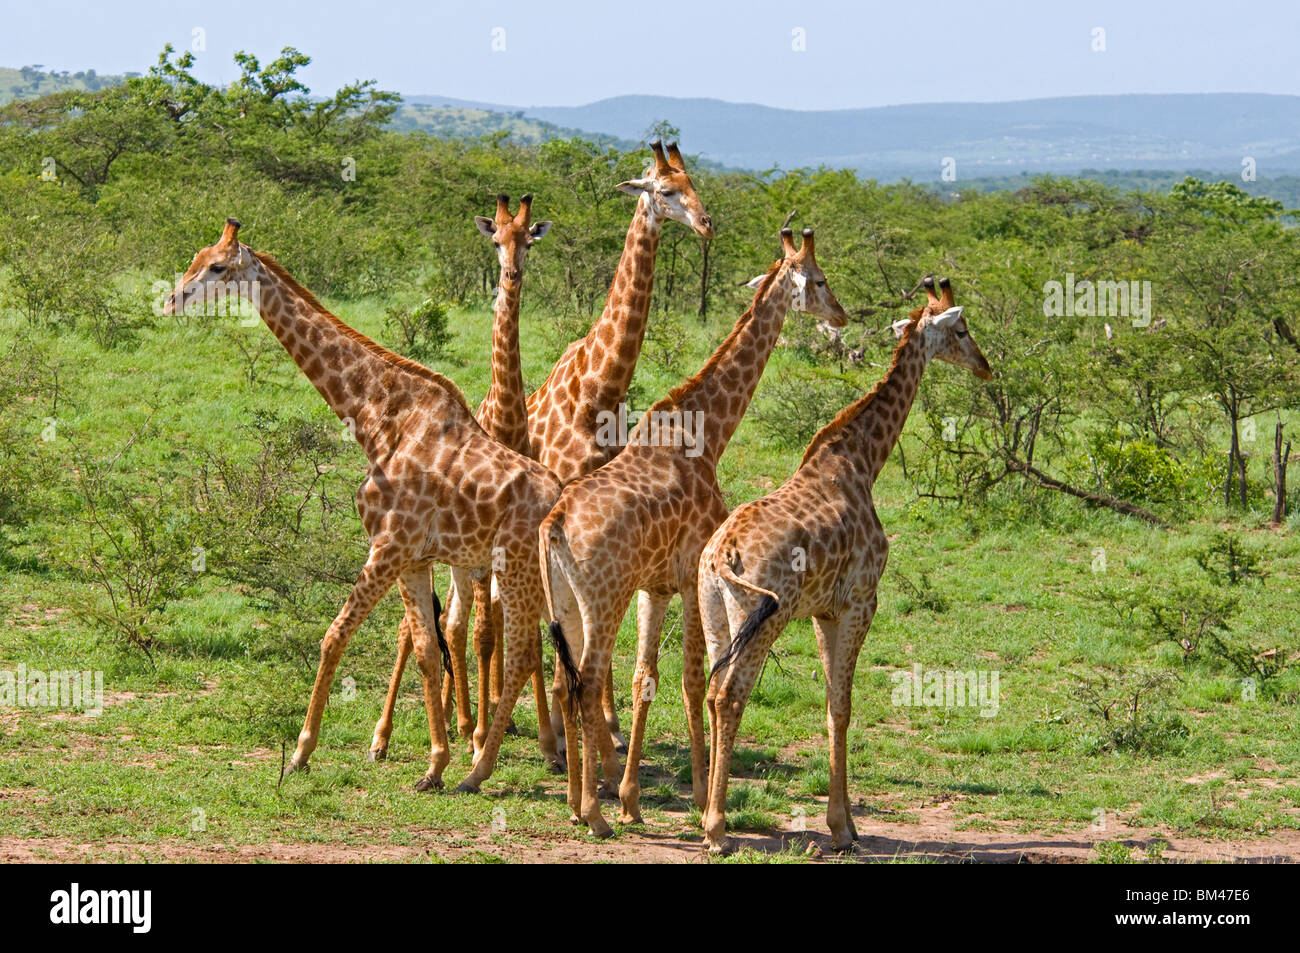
(470, 121)
(29, 82)
(1123, 140)
(1063, 135)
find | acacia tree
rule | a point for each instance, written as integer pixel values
(1231, 280)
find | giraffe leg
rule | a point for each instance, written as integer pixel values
(595, 734)
(611, 714)
(498, 652)
(557, 713)
(728, 692)
(693, 686)
(840, 641)
(384, 727)
(645, 684)
(377, 577)
(456, 683)
(522, 606)
(565, 708)
(418, 592)
(545, 735)
(484, 645)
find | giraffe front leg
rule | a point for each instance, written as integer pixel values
(417, 592)
(376, 578)
(384, 727)
(651, 610)
(456, 682)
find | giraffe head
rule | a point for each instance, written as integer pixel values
(228, 267)
(512, 235)
(944, 332)
(810, 293)
(670, 190)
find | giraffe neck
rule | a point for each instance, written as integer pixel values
(503, 413)
(614, 342)
(722, 390)
(361, 382)
(867, 430)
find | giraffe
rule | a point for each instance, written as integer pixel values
(639, 523)
(503, 416)
(815, 547)
(591, 379)
(437, 488)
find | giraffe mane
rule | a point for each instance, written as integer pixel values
(374, 347)
(686, 386)
(850, 413)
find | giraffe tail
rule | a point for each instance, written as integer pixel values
(442, 641)
(767, 607)
(551, 531)
(572, 677)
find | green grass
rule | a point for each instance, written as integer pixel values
(187, 752)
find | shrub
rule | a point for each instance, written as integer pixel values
(422, 332)
(800, 401)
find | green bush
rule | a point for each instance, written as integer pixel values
(422, 332)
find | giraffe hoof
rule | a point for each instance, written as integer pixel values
(512, 729)
(574, 819)
(427, 783)
(620, 744)
(724, 849)
(466, 787)
(602, 832)
(844, 849)
(607, 791)
(556, 766)
(297, 767)
(626, 818)
(377, 754)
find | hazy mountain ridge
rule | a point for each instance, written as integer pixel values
(1214, 131)
(1066, 135)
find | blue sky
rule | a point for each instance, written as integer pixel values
(569, 52)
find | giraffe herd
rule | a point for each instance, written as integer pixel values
(543, 517)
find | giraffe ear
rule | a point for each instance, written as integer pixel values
(539, 229)
(948, 318)
(900, 326)
(633, 186)
(756, 282)
(486, 226)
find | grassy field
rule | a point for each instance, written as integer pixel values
(183, 762)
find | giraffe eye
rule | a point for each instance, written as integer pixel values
(217, 269)
(668, 193)
(961, 332)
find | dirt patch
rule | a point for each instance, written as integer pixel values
(931, 834)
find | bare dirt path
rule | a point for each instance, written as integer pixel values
(932, 838)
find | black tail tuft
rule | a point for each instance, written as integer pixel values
(442, 642)
(572, 677)
(748, 629)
